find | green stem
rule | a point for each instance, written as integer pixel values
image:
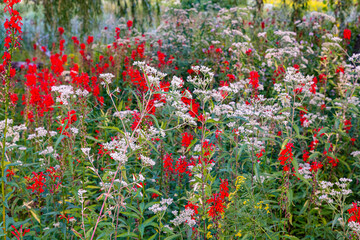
(3, 190)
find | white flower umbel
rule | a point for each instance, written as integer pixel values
(201, 81)
(66, 91)
(177, 82)
(120, 157)
(146, 161)
(107, 77)
(184, 217)
(157, 208)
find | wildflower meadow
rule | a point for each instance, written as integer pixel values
(237, 121)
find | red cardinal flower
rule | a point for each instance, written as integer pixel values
(347, 34)
(355, 213)
(61, 30)
(224, 188)
(216, 206)
(17, 234)
(286, 156)
(129, 24)
(315, 166)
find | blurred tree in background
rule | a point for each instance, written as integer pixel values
(145, 14)
(60, 12)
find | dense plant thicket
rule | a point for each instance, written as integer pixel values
(212, 126)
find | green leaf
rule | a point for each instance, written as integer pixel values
(156, 121)
(127, 235)
(212, 121)
(152, 237)
(150, 220)
(296, 129)
(61, 137)
(291, 237)
(284, 143)
(113, 128)
(131, 214)
(152, 190)
(313, 155)
(191, 144)
(94, 139)
(173, 237)
(35, 215)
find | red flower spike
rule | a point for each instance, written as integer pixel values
(347, 34)
(286, 156)
(129, 24)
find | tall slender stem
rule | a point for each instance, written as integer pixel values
(7, 86)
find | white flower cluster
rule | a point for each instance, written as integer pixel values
(304, 169)
(323, 15)
(162, 206)
(201, 82)
(184, 217)
(262, 179)
(123, 114)
(120, 157)
(354, 226)
(153, 76)
(41, 132)
(107, 77)
(186, 117)
(146, 161)
(82, 93)
(330, 194)
(177, 82)
(12, 132)
(48, 150)
(356, 153)
(65, 91)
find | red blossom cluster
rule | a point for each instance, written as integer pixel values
(302, 113)
(278, 74)
(348, 125)
(260, 154)
(181, 166)
(286, 157)
(315, 166)
(254, 82)
(168, 164)
(37, 182)
(354, 213)
(186, 139)
(68, 120)
(67, 218)
(194, 106)
(347, 34)
(13, 31)
(21, 234)
(218, 133)
(217, 206)
(53, 175)
(313, 85)
(333, 161)
(217, 201)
